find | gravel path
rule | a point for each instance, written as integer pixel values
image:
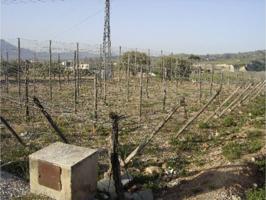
(12, 186)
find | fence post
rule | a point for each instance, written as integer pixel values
(50, 65)
(95, 104)
(6, 73)
(78, 72)
(211, 86)
(18, 71)
(12, 131)
(119, 75)
(115, 158)
(59, 72)
(164, 81)
(128, 74)
(140, 92)
(34, 74)
(200, 85)
(27, 90)
(148, 73)
(49, 119)
(75, 81)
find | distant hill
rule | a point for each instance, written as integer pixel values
(255, 60)
(13, 51)
(29, 54)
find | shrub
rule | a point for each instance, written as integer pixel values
(254, 145)
(229, 121)
(232, 150)
(256, 194)
(204, 125)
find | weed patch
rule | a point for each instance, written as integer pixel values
(229, 121)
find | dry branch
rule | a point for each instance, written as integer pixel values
(148, 139)
(114, 156)
(12, 131)
(199, 112)
(50, 120)
(222, 104)
(234, 101)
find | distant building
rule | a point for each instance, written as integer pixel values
(84, 66)
(225, 67)
(67, 64)
(243, 69)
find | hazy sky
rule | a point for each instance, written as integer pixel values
(189, 26)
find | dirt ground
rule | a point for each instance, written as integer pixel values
(196, 165)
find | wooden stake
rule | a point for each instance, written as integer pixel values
(224, 102)
(78, 71)
(234, 101)
(148, 139)
(95, 103)
(6, 73)
(140, 92)
(12, 131)
(49, 119)
(59, 72)
(75, 82)
(18, 70)
(50, 65)
(128, 74)
(211, 86)
(200, 85)
(199, 112)
(115, 158)
(148, 74)
(27, 91)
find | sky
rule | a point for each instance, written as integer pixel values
(179, 26)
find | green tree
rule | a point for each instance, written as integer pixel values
(136, 59)
(168, 62)
(184, 68)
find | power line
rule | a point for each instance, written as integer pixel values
(79, 23)
(9, 2)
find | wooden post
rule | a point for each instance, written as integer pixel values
(59, 72)
(135, 62)
(50, 65)
(164, 81)
(104, 80)
(183, 103)
(34, 74)
(12, 131)
(18, 71)
(200, 85)
(234, 101)
(120, 63)
(75, 81)
(140, 92)
(198, 113)
(115, 157)
(78, 71)
(250, 93)
(176, 79)
(148, 74)
(49, 119)
(95, 104)
(27, 91)
(262, 88)
(171, 66)
(224, 102)
(149, 138)
(211, 86)
(6, 73)
(128, 74)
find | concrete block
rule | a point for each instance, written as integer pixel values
(64, 172)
